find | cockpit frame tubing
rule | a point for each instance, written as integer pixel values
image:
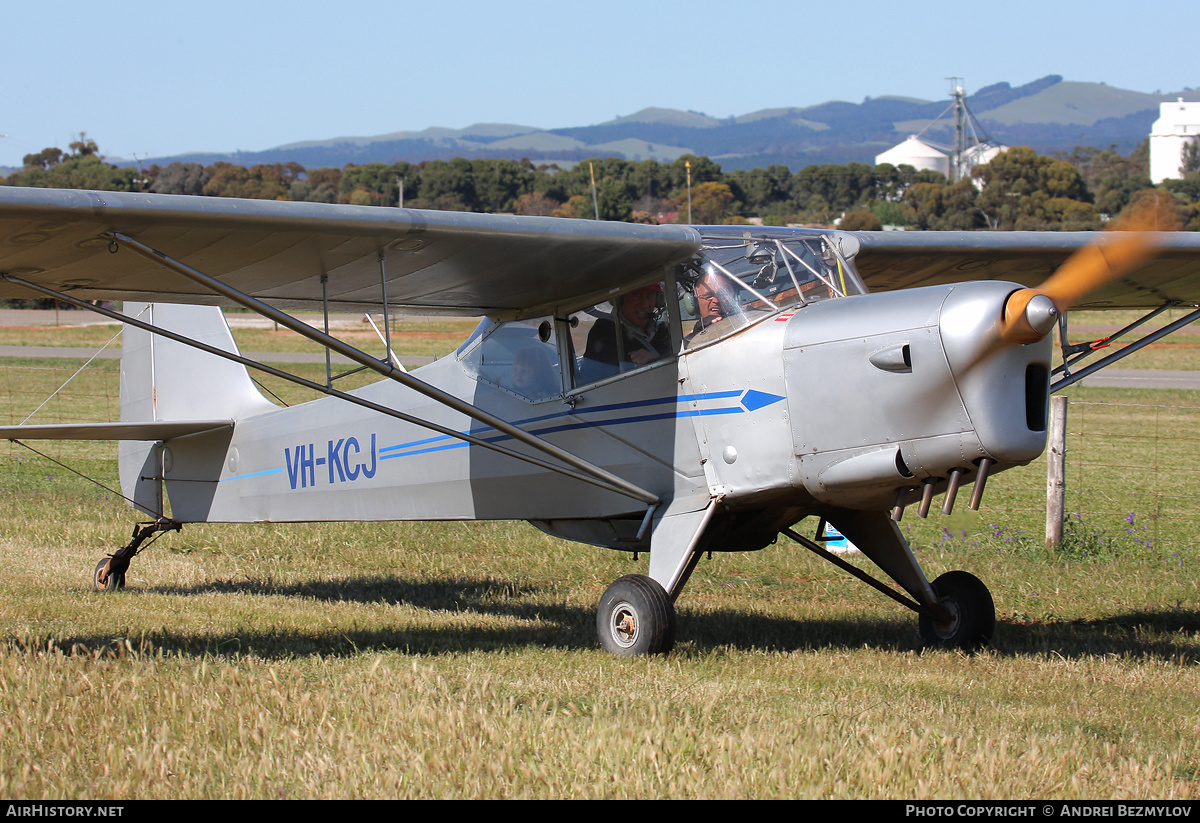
(828, 283)
(791, 273)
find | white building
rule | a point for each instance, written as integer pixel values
(918, 154)
(1177, 125)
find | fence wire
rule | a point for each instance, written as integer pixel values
(1132, 471)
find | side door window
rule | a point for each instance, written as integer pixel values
(520, 357)
(630, 331)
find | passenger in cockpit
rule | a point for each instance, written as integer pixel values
(533, 375)
(644, 337)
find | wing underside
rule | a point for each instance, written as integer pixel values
(295, 255)
(280, 252)
(900, 260)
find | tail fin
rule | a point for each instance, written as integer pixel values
(169, 381)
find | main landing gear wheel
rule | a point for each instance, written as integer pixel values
(971, 614)
(103, 581)
(635, 617)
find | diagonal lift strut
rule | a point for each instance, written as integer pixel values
(583, 470)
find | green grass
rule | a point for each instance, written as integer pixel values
(459, 659)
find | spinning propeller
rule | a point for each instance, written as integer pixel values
(1030, 314)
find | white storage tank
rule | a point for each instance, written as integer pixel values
(918, 154)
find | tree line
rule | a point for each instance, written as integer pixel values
(1018, 190)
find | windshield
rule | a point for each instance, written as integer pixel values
(741, 275)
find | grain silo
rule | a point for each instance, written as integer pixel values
(917, 153)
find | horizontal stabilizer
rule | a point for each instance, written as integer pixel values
(153, 430)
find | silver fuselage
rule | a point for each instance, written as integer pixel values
(843, 403)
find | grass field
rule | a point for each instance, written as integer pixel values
(459, 659)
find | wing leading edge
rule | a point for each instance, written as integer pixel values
(901, 260)
(435, 261)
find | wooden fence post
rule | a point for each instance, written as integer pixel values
(1056, 472)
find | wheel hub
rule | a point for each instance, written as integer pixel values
(624, 625)
(948, 625)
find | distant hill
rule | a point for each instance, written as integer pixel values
(1049, 114)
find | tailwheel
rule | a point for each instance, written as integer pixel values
(103, 580)
(970, 615)
(109, 574)
(636, 617)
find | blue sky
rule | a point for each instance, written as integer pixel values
(148, 79)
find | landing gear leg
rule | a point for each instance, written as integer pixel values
(636, 617)
(109, 574)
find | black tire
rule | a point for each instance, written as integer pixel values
(636, 617)
(973, 614)
(112, 584)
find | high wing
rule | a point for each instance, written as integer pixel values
(467, 264)
(435, 261)
(900, 260)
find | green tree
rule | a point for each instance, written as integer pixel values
(860, 220)
(1191, 157)
(498, 183)
(181, 178)
(84, 168)
(263, 182)
(1017, 185)
(709, 203)
(380, 182)
(44, 159)
(1111, 178)
(447, 185)
(323, 185)
(83, 147)
(760, 190)
(614, 199)
(535, 203)
(704, 170)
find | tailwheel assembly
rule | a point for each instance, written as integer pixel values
(109, 574)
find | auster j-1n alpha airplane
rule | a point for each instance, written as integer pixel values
(674, 390)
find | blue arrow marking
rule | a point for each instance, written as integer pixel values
(753, 399)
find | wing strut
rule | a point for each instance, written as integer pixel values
(588, 473)
(1087, 349)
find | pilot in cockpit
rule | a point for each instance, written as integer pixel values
(715, 302)
(533, 374)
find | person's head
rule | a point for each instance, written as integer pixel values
(529, 369)
(710, 297)
(638, 306)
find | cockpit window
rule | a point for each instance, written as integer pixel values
(736, 278)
